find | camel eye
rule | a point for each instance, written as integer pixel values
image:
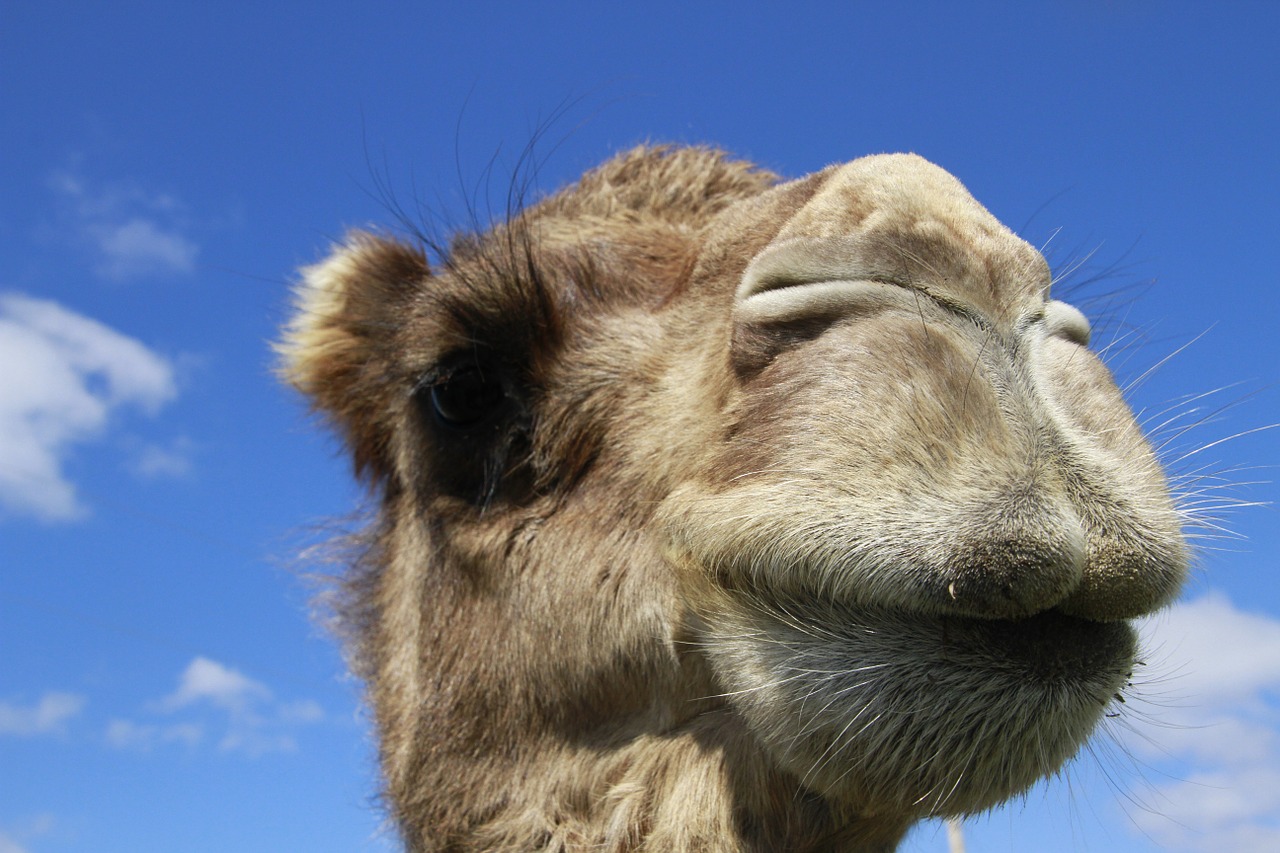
(467, 397)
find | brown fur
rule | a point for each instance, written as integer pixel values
(800, 511)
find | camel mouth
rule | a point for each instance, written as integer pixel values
(1051, 647)
(1048, 646)
(1047, 649)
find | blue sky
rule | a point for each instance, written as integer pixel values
(165, 171)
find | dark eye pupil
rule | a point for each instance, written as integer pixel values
(466, 397)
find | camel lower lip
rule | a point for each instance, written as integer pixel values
(1048, 648)
(1050, 645)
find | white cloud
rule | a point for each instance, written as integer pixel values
(134, 233)
(139, 247)
(171, 460)
(241, 714)
(1231, 655)
(65, 375)
(1218, 744)
(304, 711)
(208, 680)
(48, 716)
(14, 838)
(253, 741)
(126, 734)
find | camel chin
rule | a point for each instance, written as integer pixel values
(897, 712)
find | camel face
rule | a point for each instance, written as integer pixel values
(723, 513)
(927, 504)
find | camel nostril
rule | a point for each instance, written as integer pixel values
(802, 278)
(1068, 322)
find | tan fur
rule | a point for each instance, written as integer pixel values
(795, 511)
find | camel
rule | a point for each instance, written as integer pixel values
(717, 512)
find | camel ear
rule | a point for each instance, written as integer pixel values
(339, 347)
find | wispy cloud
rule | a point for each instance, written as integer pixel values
(126, 734)
(1219, 743)
(49, 715)
(14, 838)
(207, 680)
(134, 233)
(153, 461)
(239, 713)
(139, 247)
(9, 844)
(65, 375)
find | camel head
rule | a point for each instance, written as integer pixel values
(718, 512)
